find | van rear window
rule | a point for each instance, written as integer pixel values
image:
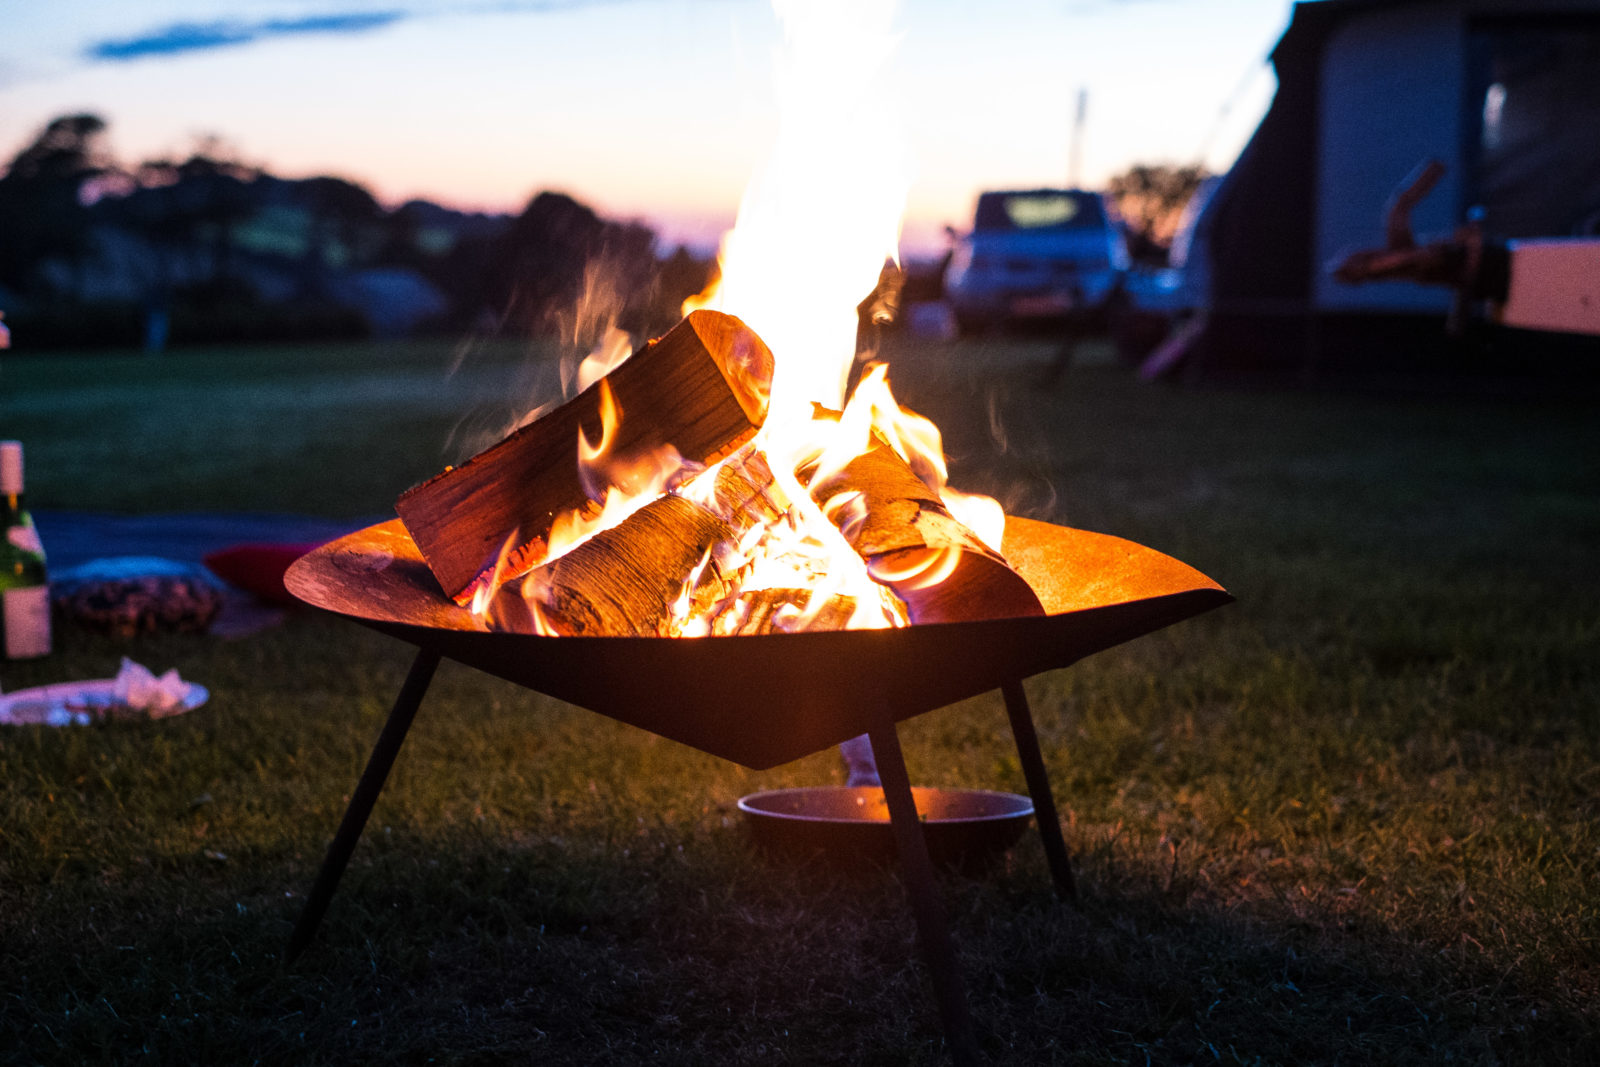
(1041, 210)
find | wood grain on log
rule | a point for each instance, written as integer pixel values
(626, 580)
(897, 524)
(701, 388)
(622, 582)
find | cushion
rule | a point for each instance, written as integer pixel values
(258, 568)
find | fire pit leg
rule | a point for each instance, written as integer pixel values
(1044, 805)
(932, 929)
(361, 801)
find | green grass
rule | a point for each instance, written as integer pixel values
(335, 431)
(1353, 818)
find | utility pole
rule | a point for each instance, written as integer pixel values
(1075, 150)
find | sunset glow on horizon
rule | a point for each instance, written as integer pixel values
(652, 109)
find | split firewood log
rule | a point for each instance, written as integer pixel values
(621, 582)
(701, 388)
(912, 544)
(626, 580)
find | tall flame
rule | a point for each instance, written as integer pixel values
(620, 485)
(815, 228)
(822, 215)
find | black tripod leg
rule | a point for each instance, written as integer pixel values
(932, 929)
(361, 801)
(1044, 805)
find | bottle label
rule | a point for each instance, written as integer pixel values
(27, 622)
(25, 537)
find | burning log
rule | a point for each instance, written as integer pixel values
(621, 582)
(761, 611)
(626, 580)
(911, 543)
(701, 388)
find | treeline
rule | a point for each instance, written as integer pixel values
(96, 253)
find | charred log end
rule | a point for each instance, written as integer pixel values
(899, 520)
(980, 587)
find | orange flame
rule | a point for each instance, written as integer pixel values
(815, 227)
(483, 592)
(590, 456)
(617, 486)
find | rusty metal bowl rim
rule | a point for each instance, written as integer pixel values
(760, 700)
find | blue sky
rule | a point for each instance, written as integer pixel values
(657, 109)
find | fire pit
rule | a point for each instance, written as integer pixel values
(755, 699)
(734, 537)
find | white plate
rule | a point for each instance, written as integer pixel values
(79, 704)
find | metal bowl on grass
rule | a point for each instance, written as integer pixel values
(966, 829)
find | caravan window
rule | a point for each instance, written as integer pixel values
(1536, 97)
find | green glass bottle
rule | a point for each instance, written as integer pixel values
(24, 584)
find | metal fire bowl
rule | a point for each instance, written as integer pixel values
(964, 828)
(765, 699)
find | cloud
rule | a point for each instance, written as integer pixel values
(179, 37)
(182, 37)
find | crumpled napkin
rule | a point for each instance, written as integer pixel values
(136, 688)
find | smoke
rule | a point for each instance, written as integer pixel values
(583, 341)
(592, 342)
(997, 429)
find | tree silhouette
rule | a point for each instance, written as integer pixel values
(345, 222)
(1151, 198)
(678, 277)
(212, 197)
(561, 267)
(40, 212)
(225, 249)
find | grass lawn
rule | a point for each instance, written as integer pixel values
(1353, 818)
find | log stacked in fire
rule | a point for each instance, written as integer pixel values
(534, 540)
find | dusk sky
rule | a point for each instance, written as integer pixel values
(655, 109)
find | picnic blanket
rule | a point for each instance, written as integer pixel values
(125, 574)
